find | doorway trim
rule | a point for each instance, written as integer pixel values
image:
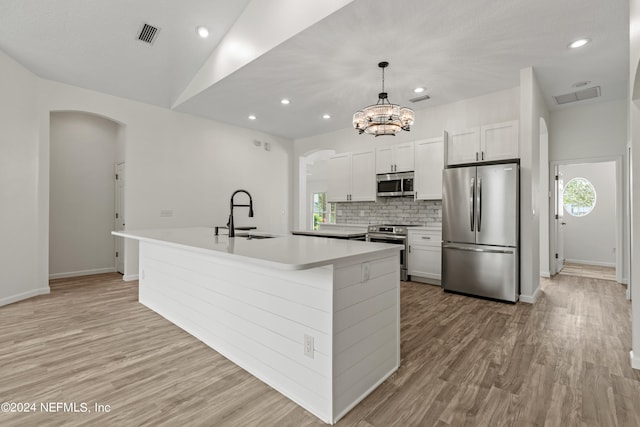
(621, 251)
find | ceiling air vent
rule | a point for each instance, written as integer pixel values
(148, 33)
(420, 98)
(581, 95)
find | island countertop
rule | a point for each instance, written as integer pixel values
(282, 252)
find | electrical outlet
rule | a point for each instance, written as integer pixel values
(366, 273)
(308, 346)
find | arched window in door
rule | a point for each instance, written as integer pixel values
(579, 197)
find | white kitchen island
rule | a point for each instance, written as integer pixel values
(316, 319)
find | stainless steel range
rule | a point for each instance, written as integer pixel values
(391, 234)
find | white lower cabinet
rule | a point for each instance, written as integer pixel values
(424, 262)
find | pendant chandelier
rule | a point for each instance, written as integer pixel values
(383, 118)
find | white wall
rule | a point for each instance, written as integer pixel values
(591, 239)
(183, 163)
(532, 108)
(174, 161)
(544, 201)
(594, 131)
(495, 107)
(634, 133)
(82, 194)
(19, 250)
(588, 131)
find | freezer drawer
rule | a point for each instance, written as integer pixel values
(486, 271)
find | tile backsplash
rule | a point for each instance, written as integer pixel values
(391, 210)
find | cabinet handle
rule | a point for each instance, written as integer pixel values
(483, 155)
(476, 156)
(409, 248)
(426, 237)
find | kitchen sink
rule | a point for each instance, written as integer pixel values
(254, 236)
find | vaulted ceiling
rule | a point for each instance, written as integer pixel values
(322, 56)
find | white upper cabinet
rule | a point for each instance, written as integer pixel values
(404, 157)
(429, 163)
(463, 146)
(485, 144)
(499, 141)
(339, 178)
(394, 158)
(363, 177)
(352, 177)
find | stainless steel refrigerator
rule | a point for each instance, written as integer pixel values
(480, 231)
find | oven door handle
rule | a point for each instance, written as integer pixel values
(387, 237)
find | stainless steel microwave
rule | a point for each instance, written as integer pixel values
(395, 184)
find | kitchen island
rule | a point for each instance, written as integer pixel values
(316, 319)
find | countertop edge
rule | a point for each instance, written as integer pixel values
(257, 261)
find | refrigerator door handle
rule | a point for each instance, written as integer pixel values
(473, 249)
(472, 196)
(479, 204)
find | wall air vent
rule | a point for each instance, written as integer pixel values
(581, 95)
(148, 33)
(420, 98)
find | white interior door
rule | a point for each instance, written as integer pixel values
(119, 216)
(559, 221)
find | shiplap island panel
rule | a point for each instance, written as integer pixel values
(258, 301)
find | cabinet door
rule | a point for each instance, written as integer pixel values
(424, 261)
(463, 146)
(363, 177)
(384, 159)
(339, 178)
(404, 157)
(429, 162)
(499, 141)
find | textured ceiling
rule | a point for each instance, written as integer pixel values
(455, 48)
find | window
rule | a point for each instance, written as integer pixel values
(579, 197)
(323, 212)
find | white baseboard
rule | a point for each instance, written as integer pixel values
(82, 273)
(531, 299)
(545, 274)
(130, 277)
(635, 361)
(596, 263)
(23, 295)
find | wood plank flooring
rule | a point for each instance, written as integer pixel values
(465, 362)
(590, 271)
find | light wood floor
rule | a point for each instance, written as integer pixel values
(562, 362)
(590, 271)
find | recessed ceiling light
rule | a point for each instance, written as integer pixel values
(326, 116)
(252, 117)
(419, 90)
(285, 101)
(202, 31)
(579, 43)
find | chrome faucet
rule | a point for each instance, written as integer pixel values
(232, 232)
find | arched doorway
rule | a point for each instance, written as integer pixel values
(85, 152)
